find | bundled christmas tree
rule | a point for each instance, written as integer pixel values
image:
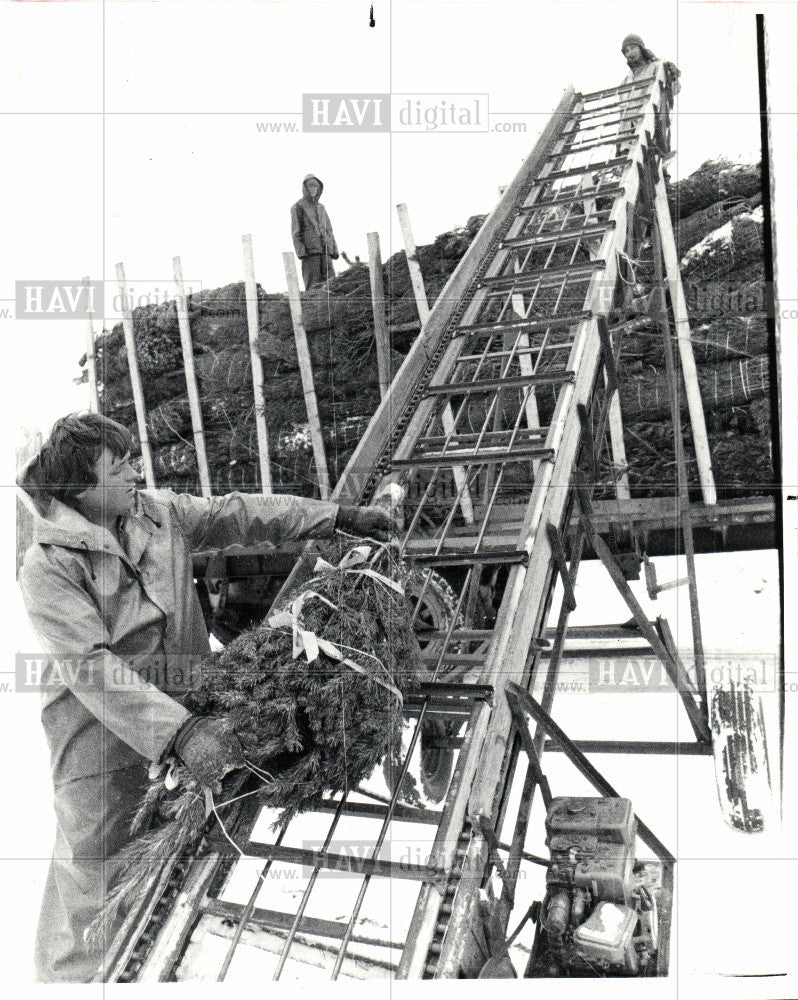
(314, 694)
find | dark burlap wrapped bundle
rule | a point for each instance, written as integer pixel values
(714, 181)
(315, 696)
(727, 384)
(695, 227)
(157, 389)
(221, 373)
(180, 458)
(169, 420)
(736, 243)
(157, 338)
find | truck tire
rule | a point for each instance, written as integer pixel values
(438, 601)
(437, 759)
(438, 606)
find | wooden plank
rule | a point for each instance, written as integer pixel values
(444, 848)
(169, 943)
(619, 461)
(381, 335)
(135, 378)
(666, 747)
(558, 552)
(692, 389)
(306, 373)
(187, 348)
(411, 252)
(126, 939)
(278, 920)
(621, 477)
(253, 326)
(91, 360)
(412, 327)
(661, 241)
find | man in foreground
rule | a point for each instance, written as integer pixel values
(109, 590)
(643, 64)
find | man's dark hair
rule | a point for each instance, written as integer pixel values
(65, 465)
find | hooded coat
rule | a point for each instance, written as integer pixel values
(120, 625)
(311, 229)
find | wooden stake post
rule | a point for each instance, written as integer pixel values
(378, 307)
(691, 385)
(306, 372)
(685, 516)
(420, 293)
(91, 360)
(621, 474)
(253, 326)
(135, 379)
(191, 380)
(411, 252)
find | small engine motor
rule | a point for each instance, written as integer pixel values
(598, 917)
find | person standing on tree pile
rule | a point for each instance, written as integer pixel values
(643, 64)
(108, 587)
(312, 234)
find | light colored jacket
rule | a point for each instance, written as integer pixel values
(120, 624)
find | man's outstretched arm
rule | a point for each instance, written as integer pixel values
(249, 518)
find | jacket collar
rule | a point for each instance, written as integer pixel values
(65, 526)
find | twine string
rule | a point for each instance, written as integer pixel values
(311, 644)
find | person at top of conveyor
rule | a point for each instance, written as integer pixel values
(108, 587)
(642, 64)
(312, 234)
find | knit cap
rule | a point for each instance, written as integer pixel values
(632, 40)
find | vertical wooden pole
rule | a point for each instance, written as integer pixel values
(618, 448)
(91, 360)
(378, 308)
(411, 252)
(685, 515)
(691, 385)
(191, 380)
(306, 372)
(253, 326)
(420, 293)
(135, 379)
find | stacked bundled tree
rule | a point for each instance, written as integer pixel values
(717, 218)
(718, 225)
(340, 332)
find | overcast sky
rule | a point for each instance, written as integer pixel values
(176, 165)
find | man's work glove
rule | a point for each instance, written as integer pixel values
(208, 749)
(366, 522)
